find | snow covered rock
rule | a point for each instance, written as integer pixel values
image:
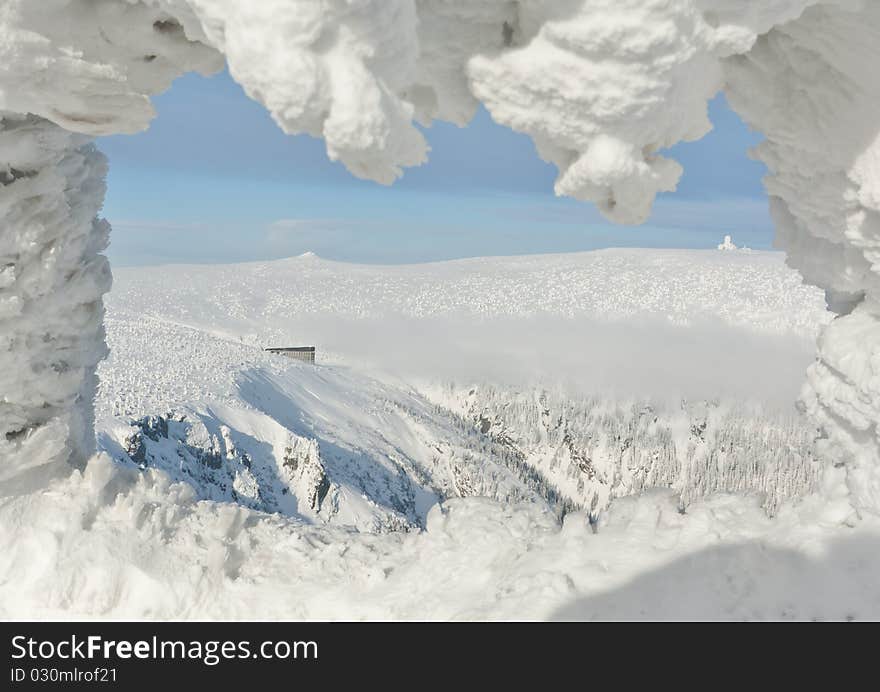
(304, 472)
(228, 466)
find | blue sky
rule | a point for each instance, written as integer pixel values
(214, 180)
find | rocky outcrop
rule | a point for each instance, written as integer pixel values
(218, 466)
(303, 472)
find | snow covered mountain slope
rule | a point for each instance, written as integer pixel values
(269, 300)
(399, 417)
(593, 450)
(321, 443)
(610, 319)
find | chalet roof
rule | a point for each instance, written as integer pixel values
(292, 349)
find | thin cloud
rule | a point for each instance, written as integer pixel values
(154, 225)
(307, 225)
(281, 233)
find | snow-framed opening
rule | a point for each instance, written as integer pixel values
(799, 71)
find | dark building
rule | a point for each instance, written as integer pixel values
(304, 353)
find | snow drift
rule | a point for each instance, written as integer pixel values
(123, 544)
(602, 86)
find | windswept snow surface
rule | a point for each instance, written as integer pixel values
(237, 483)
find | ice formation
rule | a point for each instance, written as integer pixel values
(52, 279)
(601, 86)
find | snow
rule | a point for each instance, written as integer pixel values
(188, 334)
(424, 515)
(260, 300)
(603, 87)
(484, 340)
(386, 453)
(115, 544)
